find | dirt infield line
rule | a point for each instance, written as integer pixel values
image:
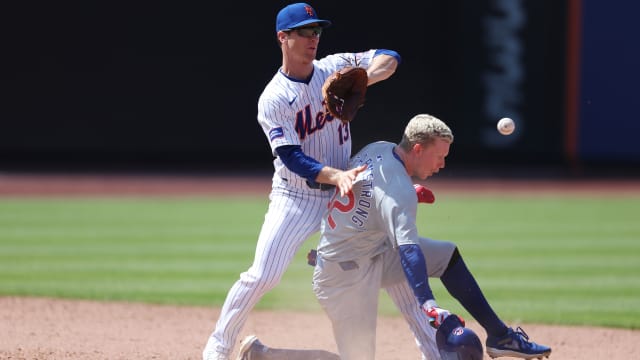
(141, 185)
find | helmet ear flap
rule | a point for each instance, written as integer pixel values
(456, 342)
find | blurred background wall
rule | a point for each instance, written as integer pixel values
(174, 86)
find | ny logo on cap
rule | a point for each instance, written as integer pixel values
(309, 10)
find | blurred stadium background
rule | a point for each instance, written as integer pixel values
(104, 86)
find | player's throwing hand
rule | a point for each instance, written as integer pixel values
(347, 178)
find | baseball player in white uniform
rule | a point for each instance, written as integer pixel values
(312, 151)
(369, 240)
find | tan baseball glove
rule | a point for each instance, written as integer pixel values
(344, 92)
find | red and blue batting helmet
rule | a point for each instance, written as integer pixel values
(456, 342)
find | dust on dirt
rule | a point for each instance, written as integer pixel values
(46, 328)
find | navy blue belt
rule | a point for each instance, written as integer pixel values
(320, 186)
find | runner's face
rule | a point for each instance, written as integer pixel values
(431, 158)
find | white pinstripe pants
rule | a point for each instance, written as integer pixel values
(293, 216)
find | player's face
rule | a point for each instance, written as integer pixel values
(303, 42)
(431, 158)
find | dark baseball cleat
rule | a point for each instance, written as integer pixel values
(516, 344)
(249, 346)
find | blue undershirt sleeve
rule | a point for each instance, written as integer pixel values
(388, 52)
(296, 160)
(415, 269)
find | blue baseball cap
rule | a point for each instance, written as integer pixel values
(297, 15)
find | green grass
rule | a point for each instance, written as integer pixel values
(543, 259)
(548, 259)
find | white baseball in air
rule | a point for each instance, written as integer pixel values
(506, 126)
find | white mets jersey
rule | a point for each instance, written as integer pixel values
(291, 112)
(380, 211)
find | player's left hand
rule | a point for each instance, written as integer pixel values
(424, 195)
(344, 92)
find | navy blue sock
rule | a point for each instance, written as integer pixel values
(461, 284)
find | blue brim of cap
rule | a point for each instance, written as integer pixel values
(323, 23)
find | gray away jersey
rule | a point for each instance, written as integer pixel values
(378, 213)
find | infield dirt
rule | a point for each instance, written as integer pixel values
(44, 328)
